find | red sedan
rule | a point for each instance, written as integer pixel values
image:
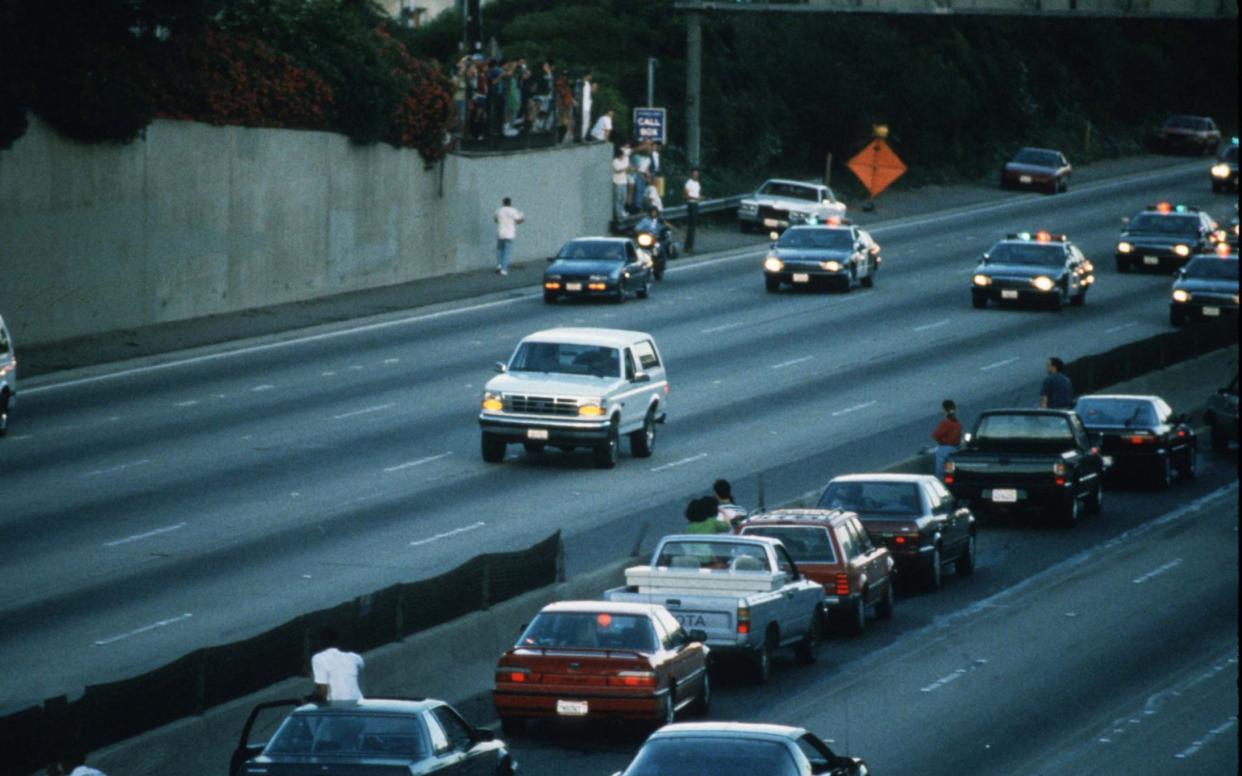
(1037, 168)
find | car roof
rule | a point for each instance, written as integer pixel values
(588, 336)
(594, 607)
(1036, 148)
(882, 477)
(1024, 411)
(733, 538)
(789, 181)
(731, 730)
(601, 238)
(371, 706)
(1121, 397)
(799, 516)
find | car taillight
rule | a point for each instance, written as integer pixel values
(843, 584)
(743, 619)
(950, 468)
(518, 676)
(633, 679)
(899, 540)
(1142, 439)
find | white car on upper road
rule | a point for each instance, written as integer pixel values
(781, 203)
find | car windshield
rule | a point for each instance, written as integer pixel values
(589, 630)
(602, 250)
(1212, 268)
(712, 555)
(871, 499)
(714, 756)
(789, 191)
(1186, 122)
(1029, 253)
(817, 239)
(1230, 154)
(1038, 158)
(566, 358)
(1165, 224)
(350, 734)
(1031, 428)
(805, 543)
(1116, 412)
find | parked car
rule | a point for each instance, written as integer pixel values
(739, 749)
(1038, 168)
(745, 592)
(1040, 268)
(1187, 134)
(8, 378)
(838, 254)
(831, 547)
(1141, 434)
(1224, 172)
(915, 517)
(573, 388)
(602, 659)
(1222, 416)
(1163, 237)
(378, 736)
(598, 267)
(781, 203)
(1032, 460)
(1207, 287)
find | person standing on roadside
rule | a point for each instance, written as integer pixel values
(1057, 392)
(620, 181)
(693, 194)
(947, 434)
(730, 513)
(507, 218)
(335, 672)
(602, 130)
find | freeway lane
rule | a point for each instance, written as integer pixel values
(161, 510)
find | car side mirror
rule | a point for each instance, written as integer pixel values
(774, 236)
(1125, 221)
(697, 635)
(985, 258)
(522, 628)
(641, 377)
(967, 437)
(501, 367)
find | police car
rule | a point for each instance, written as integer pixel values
(835, 253)
(1040, 267)
(1163, 237)
(1207, 287)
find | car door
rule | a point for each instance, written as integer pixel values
(873, 560)
(475, 760)
(798, 610)
(632, 273)
(1090, 461)
(260, 726)
(678, 656)
(951, 522)
(449, 758)
(1176, 435)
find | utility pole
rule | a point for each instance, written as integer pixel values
(694, 78)
(651, 63)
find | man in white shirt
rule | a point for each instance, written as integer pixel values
(336, 672)
(603, 127)
(620, 181)
(693, 195)
(507, 218)
(588, 87)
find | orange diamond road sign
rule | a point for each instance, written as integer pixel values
(877, 166)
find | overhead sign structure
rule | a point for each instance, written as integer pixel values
(650, 124)
(877, 166)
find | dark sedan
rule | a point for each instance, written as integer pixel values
(600, 267)
(1141, 434)
(838, 254)
(1206, 288)
(1193, 134)
(1224, 173)
(1038, 168)
(914, 516)
(374, 736)
(738, 749)
(1037, 268)
(1163, 237)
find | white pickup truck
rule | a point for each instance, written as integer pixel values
(744, 592)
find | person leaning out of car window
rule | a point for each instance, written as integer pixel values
(703, 515)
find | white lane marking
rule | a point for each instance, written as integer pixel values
(189, 403)
(1159, 701)
(682, 462)
(1122, 326)
(935, 325)
(447, 534)
(998, 364)
(112, 469)
(1157, 571)
(942, 681)
(147, 535)
(726, 327)
(22, 436)
(260, 388)
(327, 374)
(392, 360)
(855, 408)
(1220, 729)
(784, 364)
(144, 629)
(419, 462)
(355, 413)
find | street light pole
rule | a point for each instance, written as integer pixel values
(694, 78)
(651, 63)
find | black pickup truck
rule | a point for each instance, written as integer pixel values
(1028, 460)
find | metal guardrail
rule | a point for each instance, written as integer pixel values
(678, 212)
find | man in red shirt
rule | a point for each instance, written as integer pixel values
(948, 435)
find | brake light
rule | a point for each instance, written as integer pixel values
(1058, 468)
(517, 676)
(948, 479)
(1141, 439)
(743, 620)
(900, 540)
(843, 584)
(633, 679)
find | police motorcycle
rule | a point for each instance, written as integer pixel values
(659, 245)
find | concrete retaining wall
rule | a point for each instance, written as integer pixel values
(196, 220)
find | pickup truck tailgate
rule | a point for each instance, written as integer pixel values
(714, 615)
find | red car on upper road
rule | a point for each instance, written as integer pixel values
(1038, 168)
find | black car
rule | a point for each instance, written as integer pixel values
(1224, 173)
(379, 736)
(600, 267)
(1141, 434)
(738, 749)
(914, 516)
(1041, 268)
(1206, 288)
(1038, 168)
(1163, 237)
(837, 254)
(1187, 134)
(1222, 415)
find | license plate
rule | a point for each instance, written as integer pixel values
(573, 286)
(1212, 311)
(1153, 260)
(771, 222)
(1024, 179)
(536, 433)
(801, 277)
(1004, 495)
(1009, 294)
(572, 708)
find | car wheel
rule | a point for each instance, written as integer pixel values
(1217, 188)
(1164, 474)
(884, 609)
(667, 710)
(1123, 265)
(1177, 317)
(493, 448)
(703, 705)
(854, 622)
(746, 227)
(1079, 300)
(1095, 502)
(642, 441)
(620, 295)
(1218, 436)
(505, 768)
(513, 726)
(869, 280)
(1190, 466)
(848, 285)
(549, 298)
(772, 284)
(979, 301)
(807, 650)
(1070, 513)
(934, 578)
(534, 448)
(965, 564)
(645, 290)
(608, 452)
(761, 670)
(4, 414)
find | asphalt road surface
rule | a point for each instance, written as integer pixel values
(152, 511)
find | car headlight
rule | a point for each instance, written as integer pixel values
(982, 280)
(645, 239)
(1220, 171)
(831, 266)
(773, 264)
(1235, 298)
(1043, 283)
(591, 409)
(1124, 247)
(1181, 250)
(1181, 295)
(493, 402)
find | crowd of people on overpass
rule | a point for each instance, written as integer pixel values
(506, 98)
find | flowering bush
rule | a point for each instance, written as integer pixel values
(425, 112)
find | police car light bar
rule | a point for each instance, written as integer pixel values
(1165, 207)
(1040, 236)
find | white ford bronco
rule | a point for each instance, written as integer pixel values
(576, 387)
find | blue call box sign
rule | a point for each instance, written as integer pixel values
(649, 124)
